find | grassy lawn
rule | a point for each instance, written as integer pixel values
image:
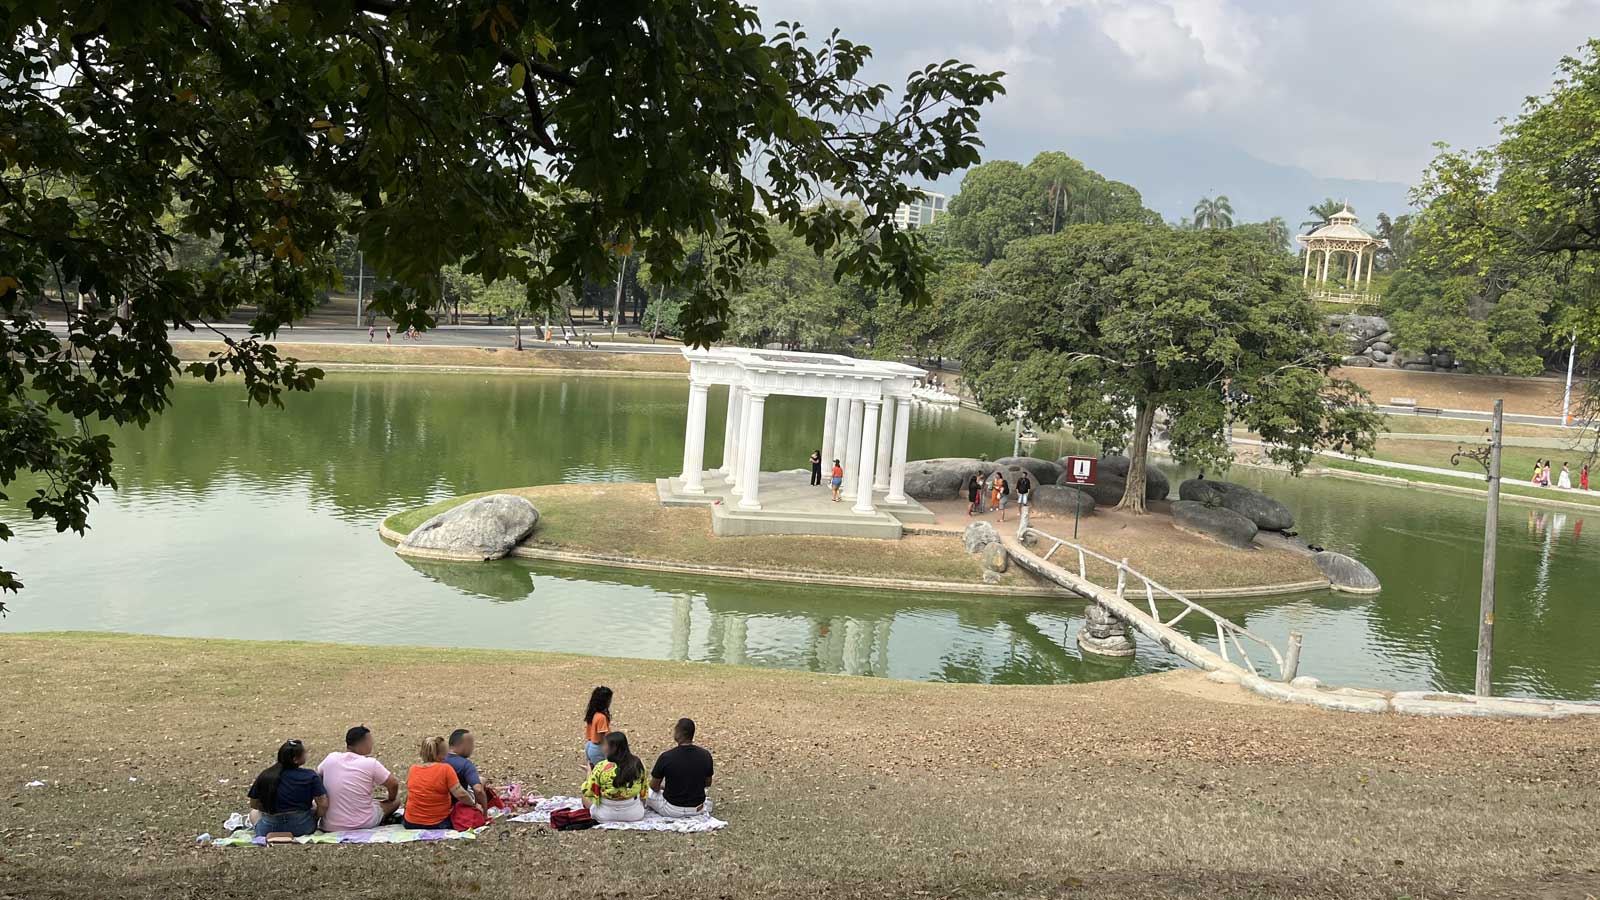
(1478, 430)
(835, 787)
(424, 355)
(1510, 485)
(1516, 463)
(627, 520)
(1530, 396)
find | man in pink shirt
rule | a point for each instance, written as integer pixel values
(351, 777)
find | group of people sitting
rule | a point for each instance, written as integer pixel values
(351, 790)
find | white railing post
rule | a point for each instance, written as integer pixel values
(1122, 578)
(1291, 665)
(1083, 568)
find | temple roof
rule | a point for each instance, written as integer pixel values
(1341, 227)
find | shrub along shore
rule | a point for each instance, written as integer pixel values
(838, 787)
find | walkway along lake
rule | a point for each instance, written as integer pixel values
(233, 521)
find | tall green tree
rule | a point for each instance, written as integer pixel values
(530, 139)
(1002, 201)
(1103, 325)
(1213, 212)
(1321, 214)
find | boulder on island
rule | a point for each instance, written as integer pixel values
(1060, 500)
(1215, 522)
(1346, 574)
(995, 558)
(944, 478)
(482, 529)
(979, 535)
(1043, 470)
(1267, 513)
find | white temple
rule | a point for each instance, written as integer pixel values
(1357, 249)
(866, 426)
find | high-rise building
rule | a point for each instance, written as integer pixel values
(920, 212)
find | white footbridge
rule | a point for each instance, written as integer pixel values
(1137, 600)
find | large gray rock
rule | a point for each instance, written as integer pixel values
(1267, 513)
(1156, 485)
(1109, 487)
(1382, 347)
(485, 528)
(1043, 470)
(1216, 522)
(1357, 361)
(1346, 574)
(995, 558)
(944, 478)
(1359, 332)
(1060, 500)
(979, 535)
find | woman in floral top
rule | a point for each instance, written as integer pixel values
(616, 788)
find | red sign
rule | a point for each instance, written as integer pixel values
(1081, 470)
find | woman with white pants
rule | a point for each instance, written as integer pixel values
(616, 788)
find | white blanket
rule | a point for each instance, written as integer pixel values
(652, 822)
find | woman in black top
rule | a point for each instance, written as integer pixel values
(973, 487)
(816, 467)
(289, 796)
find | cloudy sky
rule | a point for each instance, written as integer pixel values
(1358, 89)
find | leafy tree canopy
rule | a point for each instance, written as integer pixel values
(1103, 325)
(1002, 201)
(528, 139)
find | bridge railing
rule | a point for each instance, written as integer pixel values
(1228, 632)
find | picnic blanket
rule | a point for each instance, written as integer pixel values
(387, 834)
(651, 822)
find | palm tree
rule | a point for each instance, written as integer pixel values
(1213, 212)
(1321, 214)
(1278, 231)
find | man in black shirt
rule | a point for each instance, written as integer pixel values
(686, 771)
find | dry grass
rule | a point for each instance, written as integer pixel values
(424, 355)
(1529, 396)
(1478, 429)
(836, 787)
(627, 520)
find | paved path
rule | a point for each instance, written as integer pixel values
(442, 336)
(1476, 414)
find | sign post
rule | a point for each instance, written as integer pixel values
(1080, 470)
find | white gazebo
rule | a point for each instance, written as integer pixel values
(1357, 249)
(866, 426)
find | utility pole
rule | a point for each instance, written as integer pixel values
(361, 271)
(1566, 395)
(1016, 435)
(616, 304)
(1489, 458)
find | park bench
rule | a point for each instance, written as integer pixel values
(1402, 401)
(1427, 411)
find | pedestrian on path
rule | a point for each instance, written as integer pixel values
(1000, 492)
(973, 489)
(816, 467)
(1545, 478)
(372, 332)
(1583, 477)
(388, 335)
(1565, 482)
(836, 479)
(1024, 489)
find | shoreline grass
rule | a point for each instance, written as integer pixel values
(835, 786)
(464, 357)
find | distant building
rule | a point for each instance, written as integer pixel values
(920, 212)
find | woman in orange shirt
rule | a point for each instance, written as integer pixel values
(431, 786)
(596, 724)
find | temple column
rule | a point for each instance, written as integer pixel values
(694, 439)
(752, 453)
(841, 435)
(1370, 266)
(830, 423)
(852, 453)
(880, 472)
(730, 433)
(897, 463)
(1305, 273)
(741, 440)
(1356, 282)
(869, 456)
(1323, 278)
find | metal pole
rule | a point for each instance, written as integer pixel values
(1566, 395)
(1484, 686)
(1016, 435)
(361, 269)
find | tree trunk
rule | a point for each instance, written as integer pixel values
(517, 322)
(616, 302)
(1138, 453)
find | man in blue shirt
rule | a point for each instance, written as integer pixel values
(461, 745)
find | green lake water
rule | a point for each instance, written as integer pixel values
(235, 521)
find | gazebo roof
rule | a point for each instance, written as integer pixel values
(804, 374)
(1341, 227)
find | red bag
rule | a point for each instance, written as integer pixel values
(466, 818)
(571, 819)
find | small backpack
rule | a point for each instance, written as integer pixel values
(571, 819)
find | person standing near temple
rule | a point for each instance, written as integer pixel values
(816, 467)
